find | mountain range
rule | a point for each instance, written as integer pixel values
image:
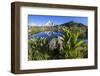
(67, 24)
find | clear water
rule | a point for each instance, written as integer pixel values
(50, 35)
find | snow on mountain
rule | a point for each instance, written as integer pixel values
(49, 23)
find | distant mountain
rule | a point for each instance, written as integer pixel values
(49, 23)
(73, 24)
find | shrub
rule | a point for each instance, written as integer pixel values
(38, 49)
(72, 48)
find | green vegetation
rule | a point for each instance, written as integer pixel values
(37, 29)
(72, 48)
(69, 46)
(38, 49)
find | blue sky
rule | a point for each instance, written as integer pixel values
(42, 19)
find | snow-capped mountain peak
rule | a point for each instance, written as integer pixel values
(49, 23)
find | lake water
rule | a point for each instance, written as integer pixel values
(49, 35)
